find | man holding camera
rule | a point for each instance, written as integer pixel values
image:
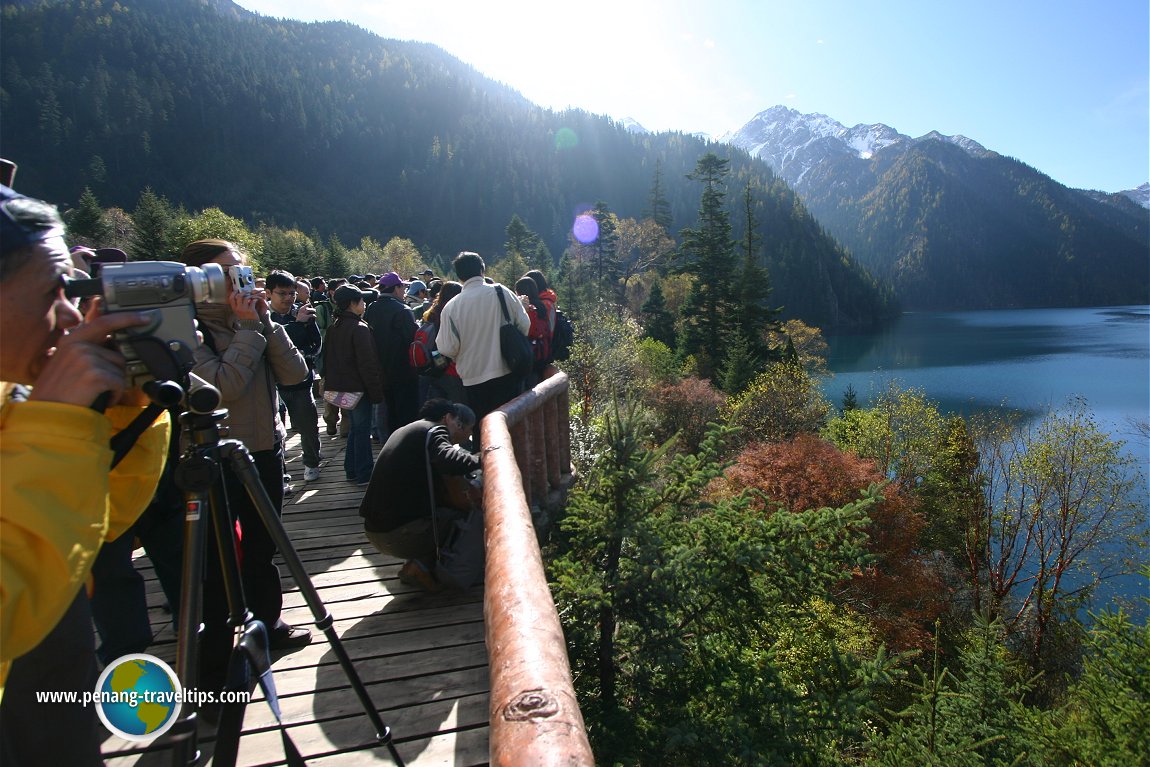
(59, 500)
(299, 322)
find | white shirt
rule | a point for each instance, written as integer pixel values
(469, 330)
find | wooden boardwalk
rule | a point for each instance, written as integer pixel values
(421, 656)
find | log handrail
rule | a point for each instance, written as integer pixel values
(535, 718)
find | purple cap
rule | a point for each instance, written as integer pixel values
(390, 280)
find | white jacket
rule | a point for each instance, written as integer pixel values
(469, 330)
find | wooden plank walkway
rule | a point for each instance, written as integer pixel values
(421, 656)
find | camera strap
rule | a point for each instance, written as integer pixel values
(124, 440)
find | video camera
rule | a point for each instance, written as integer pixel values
(164, 349)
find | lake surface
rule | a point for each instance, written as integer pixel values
(1030, 360)
(1027, 359)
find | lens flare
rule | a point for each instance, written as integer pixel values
(586, 228)
(565, 138)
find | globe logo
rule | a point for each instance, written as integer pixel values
(138, 697)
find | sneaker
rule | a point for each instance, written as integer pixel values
(413, 573)
(310, 473)
(285, 637)
(289, 491)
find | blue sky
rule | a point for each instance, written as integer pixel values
(1063, 85)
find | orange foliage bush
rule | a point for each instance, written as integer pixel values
(900, 592)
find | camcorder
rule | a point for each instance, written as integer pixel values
(164, 349)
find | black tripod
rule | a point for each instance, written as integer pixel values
(198, 475)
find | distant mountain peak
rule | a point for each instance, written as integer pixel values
(1141, 195)
(631, 125)
(793, 143)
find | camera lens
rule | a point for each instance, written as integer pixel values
(209, 286)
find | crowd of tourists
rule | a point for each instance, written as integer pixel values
(410, 362)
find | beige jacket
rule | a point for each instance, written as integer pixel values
(246, 366)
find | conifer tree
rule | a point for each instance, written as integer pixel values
(708, 254)
(742, 364)
(754, 318)
(606, 249)
(657, 321)
(336, 262)
(658, 208)
(88, 224)
(153, 223)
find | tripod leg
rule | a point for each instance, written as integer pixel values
(198, 474)
(244, 468)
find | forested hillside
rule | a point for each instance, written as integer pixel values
(948, 230)
(327, 127)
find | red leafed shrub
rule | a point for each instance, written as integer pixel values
(900, 592)
(686, 407)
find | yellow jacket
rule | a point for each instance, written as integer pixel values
(59, 503)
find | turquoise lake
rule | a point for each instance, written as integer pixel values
(1029, 360)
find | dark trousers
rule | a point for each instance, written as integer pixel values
(489, 395)
(119, 606)
(402, 400)
(33, 733)
(259, 575)
(304, 419)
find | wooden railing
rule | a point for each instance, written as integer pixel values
(535, 719)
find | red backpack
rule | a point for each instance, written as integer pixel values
(422, 354)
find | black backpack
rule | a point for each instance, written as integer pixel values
(563, 336)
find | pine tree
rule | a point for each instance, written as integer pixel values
(606, 266)
(755, 318)
(154, 223)
(88, 224)
(742, 364)
(709, 255)
(657, 321)
(336, 262)
(658, 208)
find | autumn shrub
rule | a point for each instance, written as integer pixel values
(781, 403)
(686, 408)
(900, 592)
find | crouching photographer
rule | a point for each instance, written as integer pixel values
(59, 498)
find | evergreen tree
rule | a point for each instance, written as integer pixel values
(754, 317)
(523, 241)
(88, 224)
(336, 263)
(657, 321)
(606, 250)
(709, 256)
(741, 365)
(971, 718)
(850, 399)
(153, 226)
(658, 208)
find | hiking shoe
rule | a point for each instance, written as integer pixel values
(285, 637)
(310, 473)
(413, 573)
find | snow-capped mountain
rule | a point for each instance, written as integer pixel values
(631, 125)
(1141, 195)
(793, 143)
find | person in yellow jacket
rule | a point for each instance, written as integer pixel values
(59, 499)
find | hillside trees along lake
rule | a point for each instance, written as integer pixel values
(328, 128)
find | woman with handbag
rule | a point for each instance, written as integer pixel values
(353, 378)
